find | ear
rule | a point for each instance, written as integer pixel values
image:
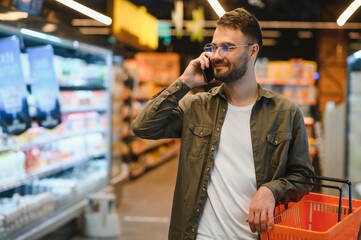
(253, 52)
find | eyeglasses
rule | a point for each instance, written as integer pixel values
(224, 48)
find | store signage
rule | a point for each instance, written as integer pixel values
(134, 26)
(14, 112)
(196, 26)
(165, 34)
(44, 87)
(177, 18)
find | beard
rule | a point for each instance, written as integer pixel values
(236, 72)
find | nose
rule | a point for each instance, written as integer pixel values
(217, 52)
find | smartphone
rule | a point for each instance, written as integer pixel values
(208, 73)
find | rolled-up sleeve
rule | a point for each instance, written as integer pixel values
(162, 115)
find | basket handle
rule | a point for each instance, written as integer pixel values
(345, 181)
(327, 186)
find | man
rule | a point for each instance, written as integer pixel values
(240, 144)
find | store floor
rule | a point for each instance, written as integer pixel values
(145, 204)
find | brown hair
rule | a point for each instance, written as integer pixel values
(241, 19)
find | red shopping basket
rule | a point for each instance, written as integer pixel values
(318, 217)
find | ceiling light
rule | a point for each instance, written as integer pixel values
(256, 3)
(348, 12)
(13, 16)
(217, 7)
(87, 11)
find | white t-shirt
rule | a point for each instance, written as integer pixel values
(233, 181)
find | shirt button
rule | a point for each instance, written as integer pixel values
(177, 87)
(193, 230)
(276, 142)
(203, 189)
(223, 110)
(201, 133)
(218, 129)
(197, 210)
(208, 169)
(212, 148)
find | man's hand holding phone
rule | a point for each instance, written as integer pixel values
(198, 72)
(208, 72)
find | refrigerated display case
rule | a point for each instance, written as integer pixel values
(47, 174)
(353, 119)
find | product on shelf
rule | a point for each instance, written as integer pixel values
(294, 79)
(294, 71)
(77, 72)
(19, 211)
(12, 166)
(151, 72)
(83, 98)
(48, 195)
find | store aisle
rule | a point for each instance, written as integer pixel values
(146, 203)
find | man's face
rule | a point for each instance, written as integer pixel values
(233, 65)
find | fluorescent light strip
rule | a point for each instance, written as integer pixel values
(348, 12)
(87, 11)
(217, 7)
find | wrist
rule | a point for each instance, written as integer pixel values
(187, 81)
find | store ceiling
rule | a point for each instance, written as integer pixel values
(291, 41)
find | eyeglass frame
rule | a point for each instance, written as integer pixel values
(213, 46)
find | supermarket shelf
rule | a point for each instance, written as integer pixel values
(301, 101)
(44, 172)
(146, 163)
(140, 146)
(45, 140)
(83, 88)
(63, 216)
(65, 110)
(143, 98)
(53, 223)
(297, 82)
(163, 158)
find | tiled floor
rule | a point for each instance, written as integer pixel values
(146, 204)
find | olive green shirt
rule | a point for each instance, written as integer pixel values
(279, 141)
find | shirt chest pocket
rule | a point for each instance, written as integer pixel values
(278, 145)
(199, 140)
(278, 138)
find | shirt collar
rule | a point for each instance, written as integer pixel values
(262, 92)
